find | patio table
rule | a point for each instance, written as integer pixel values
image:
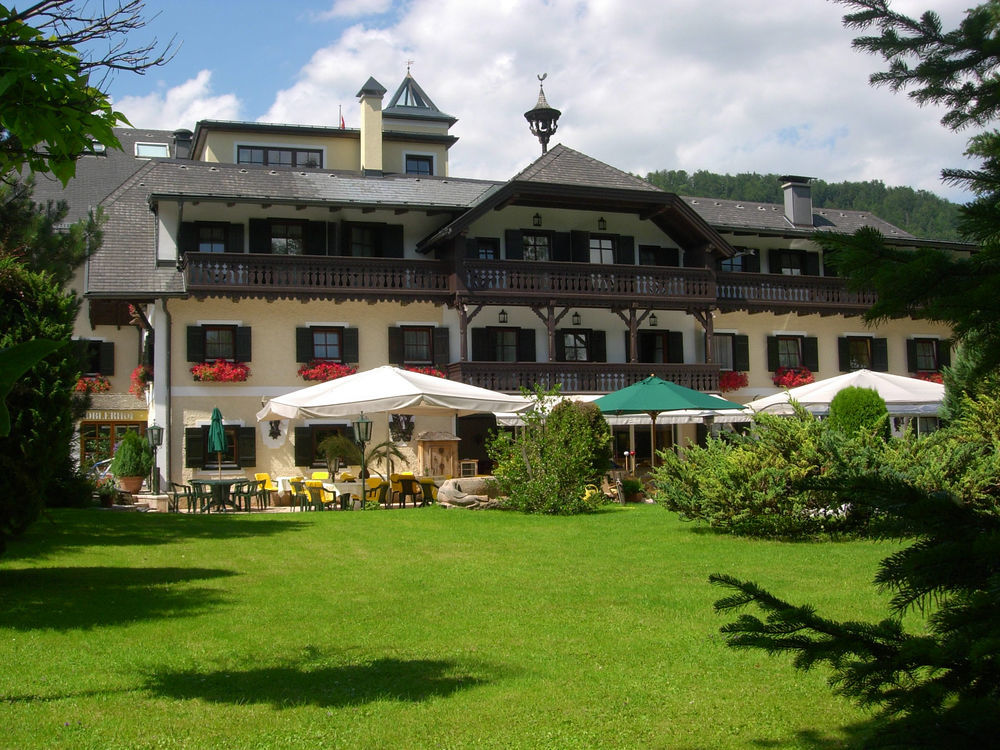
(345, 491)
(220, 491)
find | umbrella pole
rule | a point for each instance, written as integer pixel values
(652, 438)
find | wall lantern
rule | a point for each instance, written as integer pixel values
(502, 316)
(653, 322)
(576, 319)
(536, 220)
(602, 224)
(154, 435)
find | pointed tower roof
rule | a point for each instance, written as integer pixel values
(372, 87)
(411, 102)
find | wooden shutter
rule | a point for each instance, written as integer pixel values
(349, 353)
(512, 243)
(442, 347)
(260, 236)
(911, 355)
(187, 238)
(106, 358)
(246, 445)
(741, 353)
(303, 446)
(628, 346)
(526, 345)
(880, 355)
(314, 234)
(943, 353)
(772, 353)
(332, 245)
(844, 354)
(481, 345)
(774, 261)
(625, 250)
(195, 344)
(598, 348)
(392, 240)
(396, 351)
(563, 249)
(560, 345)
(751, 263)
(194, 447)
(675, 347)
(810, 352)
(671, 257)
(244, 351)
(810, 264)
(303, 344)
(234, 238)
(580, 242)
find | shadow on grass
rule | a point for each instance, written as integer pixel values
(62, 529)
(288, 686)
(850, 737)
(75, 598)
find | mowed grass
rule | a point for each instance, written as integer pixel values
(407, 629)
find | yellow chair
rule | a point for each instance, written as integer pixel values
(346, 476)
(300, 498)
(321, 475)
(395, 489)
(317, 494)
(270, 488)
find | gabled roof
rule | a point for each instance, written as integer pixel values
(410, 102)
(564, 166)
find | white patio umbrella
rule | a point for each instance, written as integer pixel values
(902, 395)
(389, 389)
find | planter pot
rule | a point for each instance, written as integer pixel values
(131, 484)
(106, 501)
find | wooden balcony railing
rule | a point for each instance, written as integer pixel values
(509, 281)
(286, 275)
(579, 377)
(758, 292)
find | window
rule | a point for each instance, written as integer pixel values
(651, 255)
(241, 448)
(279, 157)
(925, 352)
(212, 238)
(862, 352)
(96, 357)
(504, 344)
(575, 346)
(859, 353)
(307, 440)
(418, 346)
(535, 246)
(419, 164)
(789, 351)
(99, 439)
(326, 343)
(220, 342)
(287, 238)
(722, 350)
(212, 341)
(486, 248)
(789, 264)
(602, 249)
(152, 150)
(363, 241)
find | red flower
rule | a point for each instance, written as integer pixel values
(791, 377)
(427, 371)
(221, 371)
(732, 380)
(322, 370)
(141, 376)
(92, 384)
(930, 376)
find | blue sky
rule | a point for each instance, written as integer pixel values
(724, 85)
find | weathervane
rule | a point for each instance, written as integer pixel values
(543, 119)
(408, 64)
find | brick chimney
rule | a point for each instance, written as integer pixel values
(371, 126)
(798, 200)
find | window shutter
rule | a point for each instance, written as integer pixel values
(741, 353)
(694, 258)
(396, 352)
(526, 345)
(243, 351)
(911, 355)
(332, 245)
(772, 353)
(675, 347)
(672, 257)
(303, 446)
(647, 345)
(563, 247)
(194, 447)
(195, 344)
(481, 346)
(598, 347)
(580, 242)
(810, 264)
(392, 241)
(260, 236)
(751, 263)
(234, 238)
(625, 250)
(107, 358)
(844, 354)
(774, 261)
(303, 344)
(315, 238)
(810, 352)
(246, 445)
(828, 270)
(349, 352)
(880, 355)
(560, 345)
(442, 353)
(512, 241)
(628, 346)
(187, 238)
(943, 353)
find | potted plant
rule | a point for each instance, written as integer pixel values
(633, 490)
(339, 450)
(132, 462)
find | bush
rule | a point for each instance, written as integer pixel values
(133, 457)
(597, 428)
(854, 409)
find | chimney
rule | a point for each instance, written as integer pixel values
(798, 200)
(371, 127)
(182, 143)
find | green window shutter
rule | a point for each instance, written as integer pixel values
(741, 353)
(911, 355)
(672, 257)
(751, 263)
(332, 243)
(598, 346)
(526, 345)
(234, 238)
(844, 354)
(442, 353)
(562, 247)
(560, 345)
(774, 261)
(194, 447)
(195, 344)
(396, 351)
(107, 358)
(481, 345)
(392, 241)
(303, 446)
(349, 353)
(303, 344)
(880, 355)
(260, 236)
(646, 341)
(772, 353)
(625, 250)
(944, 353)
(810, 352)
(187, 238)
(512, 242)
(675, 347)
(628, 346)
(246, 445)
(315, 238)
(810, 264)
(244, 352)
(579, 251)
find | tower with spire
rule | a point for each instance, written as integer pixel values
(543, 119)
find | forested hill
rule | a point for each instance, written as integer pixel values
(919, 212)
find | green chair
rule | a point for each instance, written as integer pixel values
(178, 492)
(244, 494)
(200, 498)
(300, 498)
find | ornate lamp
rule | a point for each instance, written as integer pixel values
(543, 119)
(502, 316)
(653, 322)
(536, 220)
(602, 224)
(154, 435)
(576, 319)
(362, 434)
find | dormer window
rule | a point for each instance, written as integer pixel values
(152, 150)
(280, 157)
(419, 164)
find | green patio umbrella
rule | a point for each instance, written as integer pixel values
(217, 438)
(655, 395)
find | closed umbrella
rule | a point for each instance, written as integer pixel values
(217, 438)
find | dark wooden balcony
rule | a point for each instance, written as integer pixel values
(213, 274)
(579, 377)
(767, 292)
(585, 284)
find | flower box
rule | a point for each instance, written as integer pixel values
(791, 377)
(140, 378)
(732, 380)
(427, 371)
(321, 370)
(221, 371)
(92, 384)
(931, 377)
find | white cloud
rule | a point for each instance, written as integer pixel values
(181, 105)
(356, 8)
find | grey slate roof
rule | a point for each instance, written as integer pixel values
(564, 166)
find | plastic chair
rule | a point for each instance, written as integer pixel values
(428, 490)
(178, 492)
(321, 475)
(200, 499)
(314, 487)
(300, 498)
(396, 488)
(269, 487)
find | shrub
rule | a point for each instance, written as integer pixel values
(593, 421)
(133, 457)
(854, 409)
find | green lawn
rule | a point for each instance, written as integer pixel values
(423, 628)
